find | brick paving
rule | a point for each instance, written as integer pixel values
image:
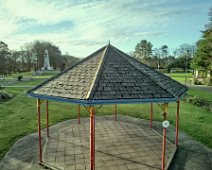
(119, 146)
(23, 155)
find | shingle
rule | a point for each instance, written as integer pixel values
(110, 74)
(75, 79)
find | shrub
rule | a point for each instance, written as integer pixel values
(20, 78)
(209, 81)
(197, 101)
(197, 82)
(5, 96)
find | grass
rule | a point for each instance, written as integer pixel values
(200, 94)
(28, 79)
(18, 116)
(29, 82)
(180, 77)
(29, 74)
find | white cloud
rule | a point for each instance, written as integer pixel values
(94, 22)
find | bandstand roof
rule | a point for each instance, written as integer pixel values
(109, 76)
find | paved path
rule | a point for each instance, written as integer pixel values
(23, 154)
(201, 87)
(17, 86)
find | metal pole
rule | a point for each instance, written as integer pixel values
(115, 112)
(78, 111)
(94, 124)
(39, 131)
(47, 118)
(177, 122)
(159, 59)
(164, 138)
(151, 115)
(158, 62)
(186, 67)
(92, 138)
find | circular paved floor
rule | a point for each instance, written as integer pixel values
(119, 146)
(190, 155)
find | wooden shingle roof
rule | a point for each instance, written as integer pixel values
(109, 76)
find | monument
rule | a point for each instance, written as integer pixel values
(46, 64)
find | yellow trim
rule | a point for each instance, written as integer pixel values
(95, 76)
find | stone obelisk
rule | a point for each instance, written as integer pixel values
(46, 64)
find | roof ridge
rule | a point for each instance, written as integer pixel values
(160, 74)
(143, 72)
(97, 75)
(156, 71)
(109, 76)
(67, 69)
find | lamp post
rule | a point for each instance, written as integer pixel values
(158, 62)
(186, 67)
(157, 53)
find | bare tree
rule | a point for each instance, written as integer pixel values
(143, 50)
(4, 54)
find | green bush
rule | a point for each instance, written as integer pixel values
(4, 96)
(197, 82)
(209, 81)
(198, 101)
(20, 78)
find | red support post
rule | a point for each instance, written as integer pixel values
(115, 112)
(47, 118)
(151, 115)
(94, 124)
(164, 139)
(177, 122)
(92, 138)
(78, 113)
(39, 131)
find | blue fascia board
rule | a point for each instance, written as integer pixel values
(103, 102)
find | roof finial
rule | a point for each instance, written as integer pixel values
(109, 42)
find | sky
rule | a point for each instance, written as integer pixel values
(81, 27)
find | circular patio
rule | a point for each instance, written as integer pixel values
(119, 145)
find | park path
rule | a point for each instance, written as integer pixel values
(23, 155)
(201, 87)
(17, 86)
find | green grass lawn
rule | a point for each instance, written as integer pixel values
(30, 74)
(18, 116)
(29, 82)
(200, 94)
(180, 77)
(28, 79)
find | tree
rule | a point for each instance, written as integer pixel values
(34, 54)
(182, 62)
(13, 61)
(152, 57)
(164, 51)
(186, 49)
(4, 54)
(203, 56)
(31, 57)
(162, 56)
(68, 60)
(143, 50)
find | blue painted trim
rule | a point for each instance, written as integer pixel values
(103, 102)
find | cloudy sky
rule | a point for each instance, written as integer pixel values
(80, 27)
